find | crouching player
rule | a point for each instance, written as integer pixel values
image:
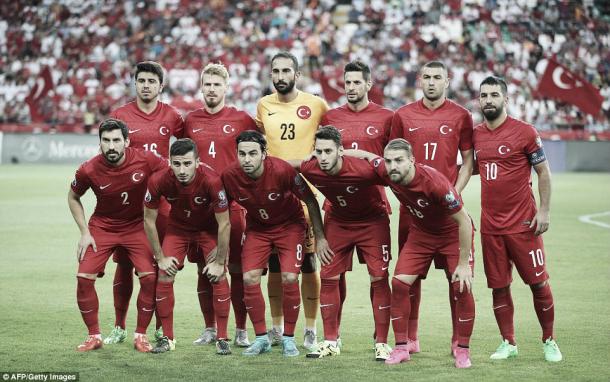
(199, 219)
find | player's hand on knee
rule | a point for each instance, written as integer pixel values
(463, 274)
(214, 271)
(169, 265)
(325, 254)
(541, 221)
(85, 241)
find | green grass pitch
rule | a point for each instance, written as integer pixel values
(41, 325)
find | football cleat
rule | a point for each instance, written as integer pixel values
(454, 346)
(398, 355)
(505, 351)
(462, 358)
(275, 337)
(413, 346)
(116, 336)
(164, 345)
(324, 349)
(241, 338)
(289, 347)
(158, 334)
(91, 343)
(208, 336)
(222, 347)
(309, 339)
(551, 351)
(382, 351)
(259, 346)
(141, 344)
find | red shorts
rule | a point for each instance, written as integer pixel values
(195, 246)
(288, 239)
(238, 225)
(440, 262)
(524, 249)
(133, 243)
(371, 239)
(121, 257)
(404, 222)
(421, 247)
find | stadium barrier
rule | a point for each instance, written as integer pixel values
(76, 148)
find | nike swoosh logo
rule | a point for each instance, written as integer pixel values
(501, 306)
(160, 299)
(296, 306)
(116, 284)
(414, 128)
(106, 186)
(326, 305)
(169, 199)
(340, 130)
(270, 114)
(384, 268)
(539, 273)
(297, 265)
(201, 291)
(383, 307)
(248, 307)
(397, 318)
(545, 309)
(242, 199)
(223, 300)
(469, 319)
(316, 186)
(196, 130)
(147, 310)
(86, 311)
(133, 131)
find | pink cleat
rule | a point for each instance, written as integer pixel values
(454, 346)
(413, 346)
(398, 355)
(462, 358)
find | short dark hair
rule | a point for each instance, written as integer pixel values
(113, 124)
(252, 136)
(149, 67)
(358, 66)
(495, 80)
(184, 146)
(400, 144)
(330, 133)
(288, 55)
(435, 64)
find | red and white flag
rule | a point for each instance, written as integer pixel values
(44, 84)
(559, 82)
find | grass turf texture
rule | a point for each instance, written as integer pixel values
(41, 325)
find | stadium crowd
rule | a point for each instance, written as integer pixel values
(92, 46)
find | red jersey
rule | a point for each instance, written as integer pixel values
(215, 134)
(505, 157)
(270, 200)
(430, 198)
(435, 135)
(353, 192)
(193, 205)
(119, 190)
(151, 132)
(368, 129)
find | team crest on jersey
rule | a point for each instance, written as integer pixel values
(371, 130)
(148, 196)
(222, 199)
(444, 129)
(303, 112)
(228, 129)
(351, 189)
(163, 130)
(503, 150)
(137, 177)
(422, 203)
(452, 201)
(273, 196)
(199, 200)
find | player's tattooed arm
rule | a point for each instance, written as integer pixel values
(78, 213)
(167, 264)
(543, 217)
(360, 154)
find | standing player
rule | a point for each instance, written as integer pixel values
(511, 226)
(118, 178)
(438, 130)
(441, 226)
(356, 218)
(214, 129)
(151, 124)
(198, 222)
(270, 189)
(289, 119)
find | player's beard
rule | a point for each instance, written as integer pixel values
(287, 89)
(355, 101)
(212, 103)
(118, 157)
(150, 98)
(492, 114)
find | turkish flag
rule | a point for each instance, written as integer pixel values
(558, 82)
(334, 88)
(44, 84)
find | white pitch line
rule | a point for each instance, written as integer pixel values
(589, 219)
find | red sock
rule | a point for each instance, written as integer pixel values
(342, 297)
(255, 305)
(165, 307)
(330, 304)
(504, 310)
(415, 298)
(452, 306)
(382, 301)
(237, 299)
(146, 302)
(464, 309)
(400, 310)
(291, 305)
(545, 310)
(86, 297)
(206, 300)
(222, 305)
(122, 288)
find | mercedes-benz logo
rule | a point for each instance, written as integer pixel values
(31, 149)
